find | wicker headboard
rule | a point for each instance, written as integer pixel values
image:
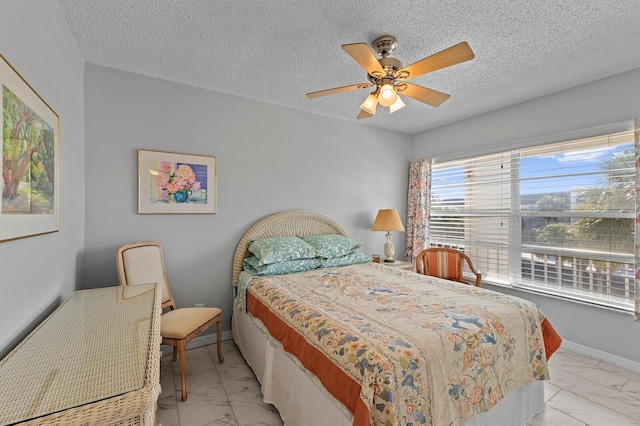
(297, 223)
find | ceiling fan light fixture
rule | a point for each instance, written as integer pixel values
(398, 104)
(370, 104)
(388, 75)
(387, 95)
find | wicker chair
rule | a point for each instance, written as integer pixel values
(446, 263)
(143, 262)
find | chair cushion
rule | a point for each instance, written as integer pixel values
(444, 265)
(179, 323)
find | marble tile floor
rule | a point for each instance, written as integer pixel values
(582, 391)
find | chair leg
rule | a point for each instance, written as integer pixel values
(175, 353)
(182, 349)
(219, 329)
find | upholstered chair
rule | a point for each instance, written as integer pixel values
(143, 262)
(446, 263)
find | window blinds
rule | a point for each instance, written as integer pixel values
(557, 217)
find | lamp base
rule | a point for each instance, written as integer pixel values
(389, 249)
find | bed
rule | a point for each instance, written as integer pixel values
(366, 344)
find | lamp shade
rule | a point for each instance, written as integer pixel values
(387, 220)
(370, 104)
(398, 104)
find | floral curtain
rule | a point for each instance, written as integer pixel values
(419, 194)
(637, 234)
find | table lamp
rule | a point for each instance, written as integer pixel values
(388, 220)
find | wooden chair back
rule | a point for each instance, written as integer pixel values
(446, 263)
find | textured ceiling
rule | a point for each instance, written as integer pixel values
(276, 51)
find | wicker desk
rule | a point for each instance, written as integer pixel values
(94, 361)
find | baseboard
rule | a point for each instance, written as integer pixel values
(207, 339)
(602, 356)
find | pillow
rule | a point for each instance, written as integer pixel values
(332, 245)
(346, 260)
(278, 249)
(253, 266)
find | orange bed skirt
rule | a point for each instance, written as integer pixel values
(552, 340)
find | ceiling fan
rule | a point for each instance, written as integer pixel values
(389, 77)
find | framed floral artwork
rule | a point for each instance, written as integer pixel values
(30, 160)
(176, 183)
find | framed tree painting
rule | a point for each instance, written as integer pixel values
(176, 183)
(30, 160)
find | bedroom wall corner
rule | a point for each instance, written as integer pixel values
(37, 273)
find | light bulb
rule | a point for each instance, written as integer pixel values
(370, 104)
(387, 95)
(398, 104)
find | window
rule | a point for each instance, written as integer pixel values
(557, 218)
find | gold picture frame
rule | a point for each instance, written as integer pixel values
(176, 183)
(30, 161)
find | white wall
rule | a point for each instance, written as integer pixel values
(37, 273)
(575, 112)
(269, 159)
(581, 111)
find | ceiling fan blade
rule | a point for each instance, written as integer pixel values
(422, 94)
(461, 52)
(364, 114)
(313, 95)
(364, 56)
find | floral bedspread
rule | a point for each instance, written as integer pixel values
(423, 350)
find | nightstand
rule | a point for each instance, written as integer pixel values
(401, 264)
